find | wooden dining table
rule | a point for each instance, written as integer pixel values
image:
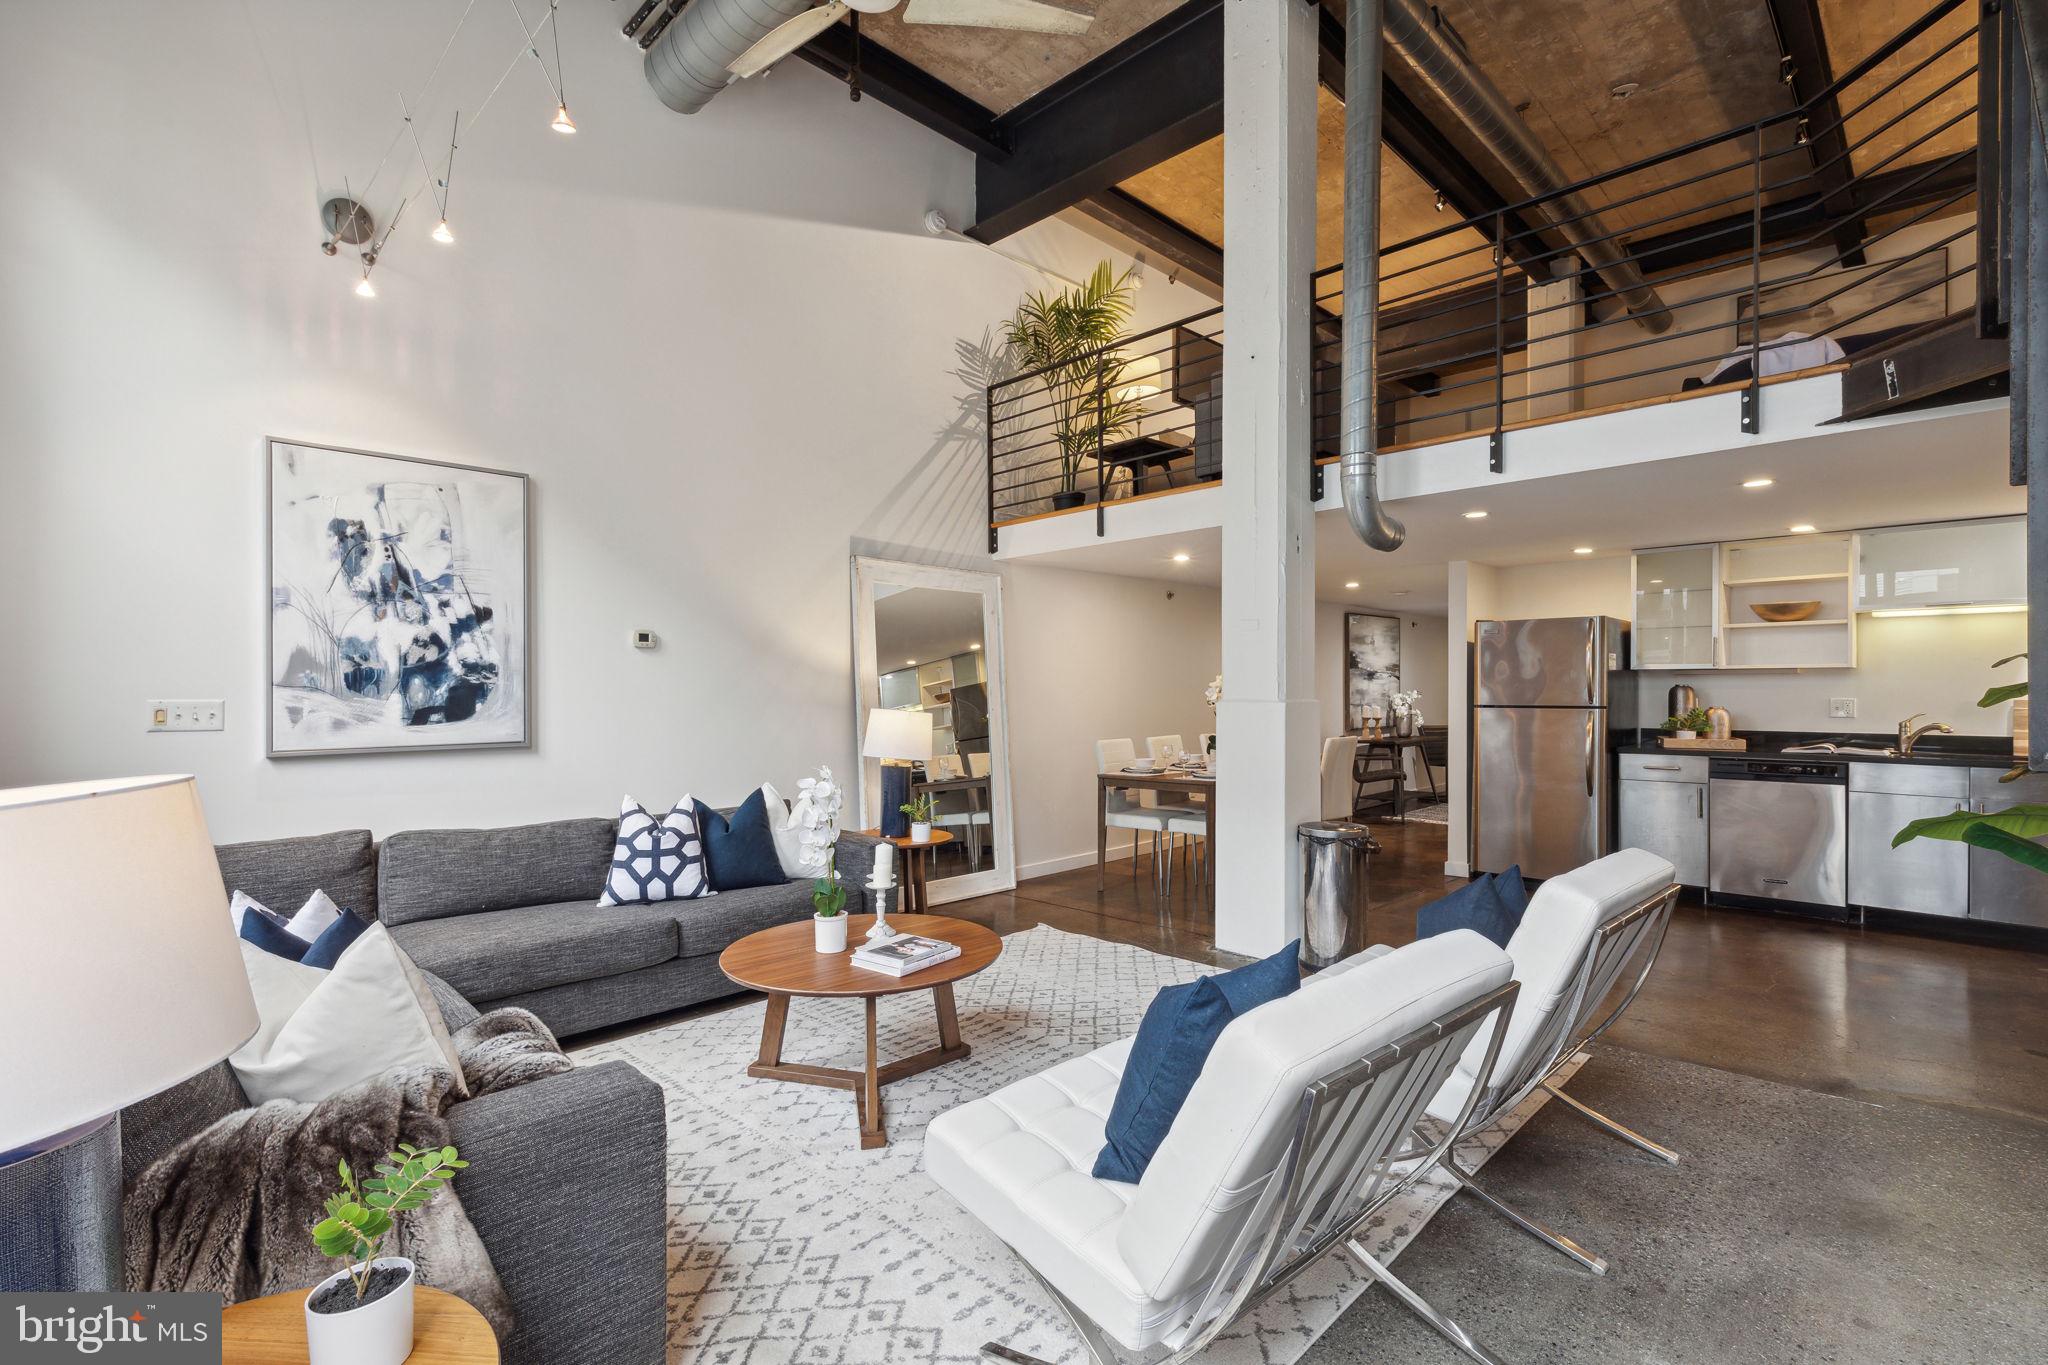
(1181, 784)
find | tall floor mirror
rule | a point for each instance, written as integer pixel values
(928, 661)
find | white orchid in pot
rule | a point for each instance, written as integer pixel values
(1407, 716)
(816, 815)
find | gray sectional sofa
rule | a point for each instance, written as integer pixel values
(509, 917)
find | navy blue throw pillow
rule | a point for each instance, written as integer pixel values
(267, 934)
(334, 940)
(1514, 896)
(740, 852)
(1255, 983)
(1479, 906)
(1180, 1026)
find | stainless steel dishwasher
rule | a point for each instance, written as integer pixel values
(1778, 830)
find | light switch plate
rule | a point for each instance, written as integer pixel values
(1842, 708)
(204, 714)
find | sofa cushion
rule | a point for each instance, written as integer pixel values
(1019, 1159)
(1180, 1026)
(426, 874)
(495, 953)
(741, 849)
(284, 873)
(1485, 905)
(713, 925)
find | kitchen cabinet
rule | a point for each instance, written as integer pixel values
(1676, 624)
(1945, 564)
(1662, 809)
(1925, 876)
(1805, 568)
(2002, 890)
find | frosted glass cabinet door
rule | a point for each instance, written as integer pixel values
(1947, 564)
(1674, 625)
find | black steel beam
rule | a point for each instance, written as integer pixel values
(1151, 97)
(1888, 192)
(1193, 258)
(2025, 206)
(1804, 49)
(1938, 365)
(891, 81)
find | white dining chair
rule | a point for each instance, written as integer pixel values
(1163, 746)
(977, 765)
(1113, 755)
(1339, 752)
(1184, 820)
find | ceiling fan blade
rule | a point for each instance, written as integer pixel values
(1030, 16)
(786, 38)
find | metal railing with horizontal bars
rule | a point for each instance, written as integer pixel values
(1779, 248)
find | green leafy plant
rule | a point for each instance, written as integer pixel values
(2012, 831)
(1069, 336)
(919, 809)
(361, 1216)
(828, 895)
(1694, 720)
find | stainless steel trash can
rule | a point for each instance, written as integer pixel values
(1335, 861)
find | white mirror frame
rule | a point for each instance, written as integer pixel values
(868, 572)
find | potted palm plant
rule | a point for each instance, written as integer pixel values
(362, 1313)
(1069, 338)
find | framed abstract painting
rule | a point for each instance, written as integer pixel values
(400, 604)
(1372, 665)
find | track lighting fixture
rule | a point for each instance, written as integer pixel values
(364, 289)
(562, 123)
(442, 234)
(1440, 201)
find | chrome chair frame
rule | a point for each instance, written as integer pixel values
(1339, 1168)
(1617, 941)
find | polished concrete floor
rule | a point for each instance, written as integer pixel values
(1860, 1012)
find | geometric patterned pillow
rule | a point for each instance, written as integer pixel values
(656, 860)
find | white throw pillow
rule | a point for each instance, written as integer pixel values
(657, 860)
(309, 923)
(320, 1032)
(789, 835)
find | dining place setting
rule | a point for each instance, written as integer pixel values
(1164, 794)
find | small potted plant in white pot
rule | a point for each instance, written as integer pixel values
(362, 1313)
(919, 809)
(817, 807)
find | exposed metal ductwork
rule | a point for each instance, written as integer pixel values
(1425, 46)
(1358, 470)
(692, 60)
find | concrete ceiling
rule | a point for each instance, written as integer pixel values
(1855, 29)
(1000, 69)
(1836, 480)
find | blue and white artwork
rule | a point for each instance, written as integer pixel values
(398, 603)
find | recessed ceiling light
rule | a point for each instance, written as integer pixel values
(975, 645)
(1758, 483)
(1181, 558)
(1582, 549)
(1401, 593)
(1475, 515)
(1350, 585)
(912, 663)
(1801, 529)
(1655, 581)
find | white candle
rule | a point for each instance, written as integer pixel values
(885, 858)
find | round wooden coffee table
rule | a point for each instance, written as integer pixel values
(272, 1331)
(784, 962)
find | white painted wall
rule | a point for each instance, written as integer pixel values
(1425, 668)
(1574, 587)
(1475, 596)
(722, 346)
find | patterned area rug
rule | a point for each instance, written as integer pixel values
(787, 1243)
(1435, 813)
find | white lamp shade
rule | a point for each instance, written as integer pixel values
(121, 976)
(898, 734)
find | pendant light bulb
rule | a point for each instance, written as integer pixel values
(442, 234)
(364, 289)
(562, 122)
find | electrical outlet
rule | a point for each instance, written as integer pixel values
(1842, 708)
(187, 715)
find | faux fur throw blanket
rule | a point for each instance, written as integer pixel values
(231, 1208)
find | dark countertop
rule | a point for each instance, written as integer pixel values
(1943, 751)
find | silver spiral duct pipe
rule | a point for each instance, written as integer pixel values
(1415, 34)
(1358, 470)
(689, 63)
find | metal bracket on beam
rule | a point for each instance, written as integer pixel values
(1493, 451)
(992, 546)
(1315, 483)
(1752, 408)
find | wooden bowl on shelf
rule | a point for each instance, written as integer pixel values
(1784, 611)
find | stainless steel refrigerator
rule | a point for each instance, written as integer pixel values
(1543, 693)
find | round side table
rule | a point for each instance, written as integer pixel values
(910, 884)
(272, 1331)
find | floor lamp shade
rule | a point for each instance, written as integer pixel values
(898, 738)
(121, 975)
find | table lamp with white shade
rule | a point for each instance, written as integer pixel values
(120, 978)
(898, 738)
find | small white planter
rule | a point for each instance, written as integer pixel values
(378, 1333)
(920, 833)
(831, 931)
(1686, 734)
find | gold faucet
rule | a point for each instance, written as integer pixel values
(1908, 736)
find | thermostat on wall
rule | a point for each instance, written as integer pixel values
(643, 639)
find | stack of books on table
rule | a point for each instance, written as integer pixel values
(903, 954)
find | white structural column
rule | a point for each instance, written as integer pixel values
(1474, 597)
(1267, 725)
